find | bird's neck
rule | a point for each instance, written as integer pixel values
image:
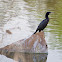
(46, 16)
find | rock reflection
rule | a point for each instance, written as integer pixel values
(26, 57)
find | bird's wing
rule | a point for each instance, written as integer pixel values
(42, 24)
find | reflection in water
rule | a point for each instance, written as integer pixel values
(26, 57)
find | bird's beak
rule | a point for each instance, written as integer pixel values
(52, 12)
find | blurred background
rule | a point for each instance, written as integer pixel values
(20, 18)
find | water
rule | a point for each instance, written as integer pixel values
(21, 18)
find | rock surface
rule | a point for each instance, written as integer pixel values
(34, 44)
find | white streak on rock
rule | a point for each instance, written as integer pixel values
(35, 44)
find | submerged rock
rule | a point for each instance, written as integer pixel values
(8, 31)
(34, 44)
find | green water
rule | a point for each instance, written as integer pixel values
(24, 17)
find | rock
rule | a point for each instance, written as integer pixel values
(34, 44)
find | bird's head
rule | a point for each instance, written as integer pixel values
(48, 13)
(46, 16)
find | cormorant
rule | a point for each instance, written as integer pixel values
(43, 24)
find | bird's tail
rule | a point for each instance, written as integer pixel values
(35, 32)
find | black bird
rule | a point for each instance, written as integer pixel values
(43, 24)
